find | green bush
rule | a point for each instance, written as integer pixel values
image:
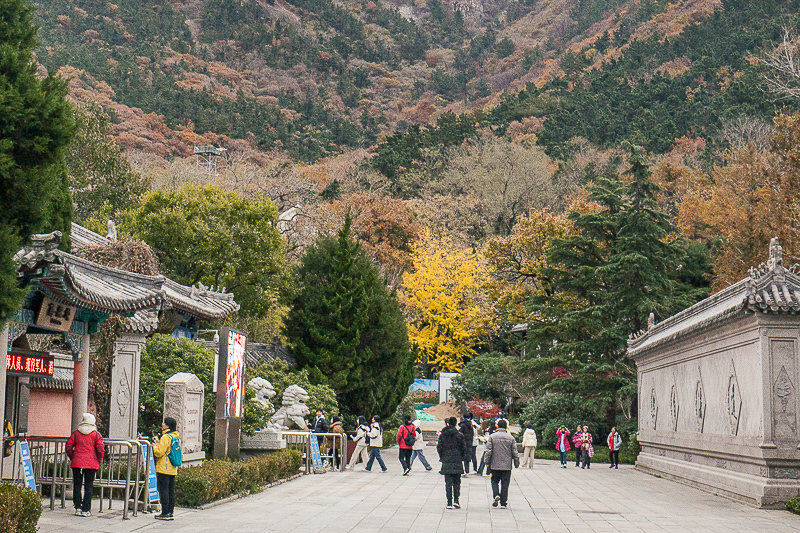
(389, 437)
(20, 508)
(215, 479)
(794, 505)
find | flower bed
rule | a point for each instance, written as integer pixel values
(215, 480)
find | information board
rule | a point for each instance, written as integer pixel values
(27, 464)
(315, 453)
(152, 483)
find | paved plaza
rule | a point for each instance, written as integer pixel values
(545, 498)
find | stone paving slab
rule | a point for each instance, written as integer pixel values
(545, 498)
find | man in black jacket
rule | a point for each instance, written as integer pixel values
(452, 453)
(468, 431)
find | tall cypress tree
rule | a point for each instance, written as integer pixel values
(346, 327)
(35, 127)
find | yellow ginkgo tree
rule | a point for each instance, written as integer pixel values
(447, 307)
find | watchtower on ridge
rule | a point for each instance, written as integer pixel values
(207, 158)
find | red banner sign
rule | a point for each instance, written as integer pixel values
(29, 364)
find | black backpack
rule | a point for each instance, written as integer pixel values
(410, 438)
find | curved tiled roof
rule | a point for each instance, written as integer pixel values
(768, 288)
(81, 236)
(79, 282)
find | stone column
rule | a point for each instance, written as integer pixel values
(80, 384)
(4, 352)
(124, 412)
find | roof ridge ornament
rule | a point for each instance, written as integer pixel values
(42, 248)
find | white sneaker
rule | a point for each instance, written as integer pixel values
(86, 513)
(449, 507)
(78, 512)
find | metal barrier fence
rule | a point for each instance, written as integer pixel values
(332, 448)
(123, 470)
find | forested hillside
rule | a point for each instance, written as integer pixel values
(316, 78)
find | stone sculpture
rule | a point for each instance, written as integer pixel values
(264, 391)
(293, 409)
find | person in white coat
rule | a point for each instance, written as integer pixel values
(361, 444)
(419, 448)
(529, 444)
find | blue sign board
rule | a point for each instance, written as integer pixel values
(27, 464)
(315, 453)
(152, 484)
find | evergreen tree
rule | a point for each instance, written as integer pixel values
(603, 282)
(346, 327)
(35, 127)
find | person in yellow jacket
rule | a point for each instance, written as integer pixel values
(165, 471)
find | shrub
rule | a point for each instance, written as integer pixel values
(215, 479)
(389, 437)
(794, 505)
(20, 508)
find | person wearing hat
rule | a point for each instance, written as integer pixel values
(419, 448)
(85, 450)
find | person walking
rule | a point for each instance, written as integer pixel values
(361, 444)
(165, 470)
(335, 444)
(469, 432)
(490, 428)
(614, 444)
(85, 450)
(562, 445)
(419, 448)
(405, 438)
(452, 449)
(474, 452)
(576, 441)
(587, 449)
(375, 444)
(501, 452)
(529, 444)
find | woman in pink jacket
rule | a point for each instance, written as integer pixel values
(85, 450)
(562, 444)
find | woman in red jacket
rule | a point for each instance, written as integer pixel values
(85, 450)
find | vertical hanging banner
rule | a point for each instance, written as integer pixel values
(230, 393)
(27, 464)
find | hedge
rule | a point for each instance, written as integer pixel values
(794, 505)
(20, 508)
(216, 479)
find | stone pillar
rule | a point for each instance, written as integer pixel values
(184, 395)
(4, 352)
(124, 411)
(80, 384)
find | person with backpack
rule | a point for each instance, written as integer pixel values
(419, 448)
(167, 451)
(468, 431)
(452, 450)
(406, 437)
(375, 444)
(362, 441)
(85, 450)
(614, 444)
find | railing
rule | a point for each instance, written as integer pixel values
(301, 441)
(123, 469)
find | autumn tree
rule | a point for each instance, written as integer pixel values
(35, 128)
(447, 308)
(345, 326)
(102, 181)
(516, 261)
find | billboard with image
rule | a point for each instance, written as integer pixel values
(230, 381)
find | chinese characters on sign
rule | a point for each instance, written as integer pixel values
(53, 315)
(22, 363)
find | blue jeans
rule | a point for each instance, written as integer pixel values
(375, 453)
(563, 457)
(418, 453)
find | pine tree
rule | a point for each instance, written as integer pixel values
(346, 327)
(35, 127)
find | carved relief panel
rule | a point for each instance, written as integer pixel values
(653, 408)
(674, 405)
(734, 401)
(699, 402)
(784, 402)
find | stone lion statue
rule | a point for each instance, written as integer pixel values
(293, 409)
(264, 391)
